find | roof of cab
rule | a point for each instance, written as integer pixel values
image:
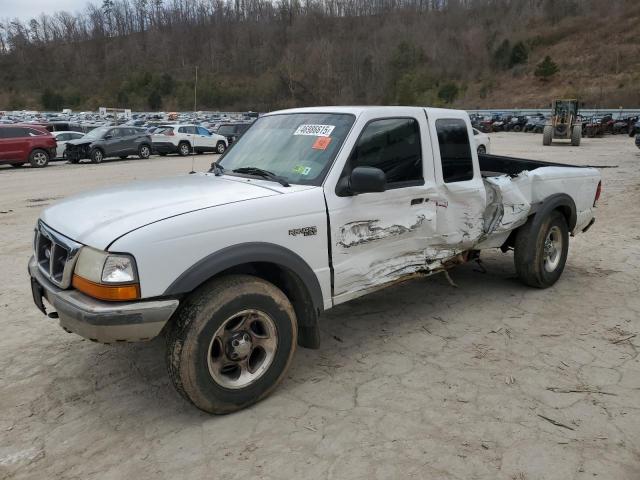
(358, 110)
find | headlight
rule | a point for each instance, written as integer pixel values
(106, 276)
(119, 269)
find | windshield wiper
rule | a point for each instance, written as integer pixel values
(217, 169)
(262, 173)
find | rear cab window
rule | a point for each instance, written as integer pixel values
(455, 150)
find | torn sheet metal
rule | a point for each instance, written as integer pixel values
(366, 231)
(507, 207)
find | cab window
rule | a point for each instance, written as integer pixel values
(455, 152)
(393, 146)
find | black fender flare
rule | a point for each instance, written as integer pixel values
(557, 201)
(260, 252)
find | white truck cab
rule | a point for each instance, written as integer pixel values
(311, 208)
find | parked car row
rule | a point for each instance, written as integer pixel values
(592, 126)
(34, 144)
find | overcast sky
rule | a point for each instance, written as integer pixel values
(27, 9)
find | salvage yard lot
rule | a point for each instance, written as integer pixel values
(491, 379)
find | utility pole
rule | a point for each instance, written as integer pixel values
(195, 93)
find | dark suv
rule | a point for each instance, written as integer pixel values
(104, 142)
(232, 130)
(20, 144)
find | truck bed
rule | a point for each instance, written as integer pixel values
(514, 185)
(495, 165)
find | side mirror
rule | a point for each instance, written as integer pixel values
(108, 137)
(363, 180)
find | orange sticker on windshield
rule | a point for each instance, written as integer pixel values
(321, 143)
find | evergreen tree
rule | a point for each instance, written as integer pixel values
(546, 69)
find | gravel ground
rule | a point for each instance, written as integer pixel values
(490, 380)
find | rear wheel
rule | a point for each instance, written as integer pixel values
(547, 135)
(541, 249)
(144, 152)
(39, 158)
(231, 343)
(184, 149)
(517, 128)
(576, 135)
(97, 155)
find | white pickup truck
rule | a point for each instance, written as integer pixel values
(311, 208)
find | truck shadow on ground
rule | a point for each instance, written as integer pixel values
(131, 379)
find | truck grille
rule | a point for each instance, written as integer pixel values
(56, 255)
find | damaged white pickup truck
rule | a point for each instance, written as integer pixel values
(311, 208)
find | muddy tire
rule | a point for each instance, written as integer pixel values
(231, 343)
(39, 158)
(547, 135)
(96, 155)
(576, 135)
(541, 249)
(184, 149)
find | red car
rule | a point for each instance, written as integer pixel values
(20, 144)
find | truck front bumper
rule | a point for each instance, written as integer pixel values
(104, 322)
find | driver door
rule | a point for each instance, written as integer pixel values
(113, 144)
(380, 237)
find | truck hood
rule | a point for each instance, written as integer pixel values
(99, 217)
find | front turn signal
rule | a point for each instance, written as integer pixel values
(111, 293)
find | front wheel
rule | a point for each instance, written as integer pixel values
(482, 150)
(541, 249)
(39, 158)
(231, 343)
(576, 135)
(221, 147)
(97, 156)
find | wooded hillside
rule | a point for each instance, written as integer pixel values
(262, 55)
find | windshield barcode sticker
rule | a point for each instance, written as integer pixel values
(315, 130)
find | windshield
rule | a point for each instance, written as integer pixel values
(298, 147)
(97, 132)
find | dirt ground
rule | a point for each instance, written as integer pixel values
(489, 380)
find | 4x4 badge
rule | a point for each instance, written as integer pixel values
(305, 231)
